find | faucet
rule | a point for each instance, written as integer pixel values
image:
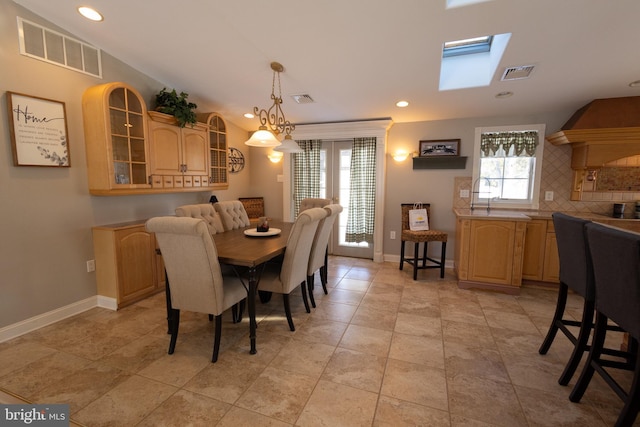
(478, 192)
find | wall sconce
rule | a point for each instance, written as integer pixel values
(400, 156)
(275, 156)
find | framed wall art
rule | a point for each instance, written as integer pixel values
(38, 129)
(439, 147)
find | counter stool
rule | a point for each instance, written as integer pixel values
(616, 266)
(418, 237)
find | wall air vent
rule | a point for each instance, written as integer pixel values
(517, 73)
(303, 99)
(50, 46)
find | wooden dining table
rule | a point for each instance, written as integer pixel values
(237, 249)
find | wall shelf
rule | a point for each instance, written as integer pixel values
(440, 162)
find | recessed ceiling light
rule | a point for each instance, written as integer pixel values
(635, 84)
(504, 95)
(90, 13)
(249, 115)
(402, 104)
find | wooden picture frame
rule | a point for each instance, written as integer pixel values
(38, 127)
(439, 147)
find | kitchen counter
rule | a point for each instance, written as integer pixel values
(527, 215)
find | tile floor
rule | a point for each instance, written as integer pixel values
(379, 350)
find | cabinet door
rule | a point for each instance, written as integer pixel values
(195, 151)
(534, 249)
(491, 251)
(165, 149)
(135, 254)
(551, 260)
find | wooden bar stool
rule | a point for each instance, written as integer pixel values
(418, 237)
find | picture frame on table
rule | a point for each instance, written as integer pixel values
(38, 128)
(439, 147)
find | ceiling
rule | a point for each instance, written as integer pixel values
(357, 58)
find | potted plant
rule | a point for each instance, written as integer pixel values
(176, 105)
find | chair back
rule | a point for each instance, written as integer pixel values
(191, 261)
(233, 214)
(313, 203)
(616, 265)
(406, 207)
(203, 211)
(254, 206)
(576, 269)
(321, 239)
(296, 256)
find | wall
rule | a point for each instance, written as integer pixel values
(47, 213)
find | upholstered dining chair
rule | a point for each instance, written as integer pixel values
(285, 277)
(418, 237)
(615, 255)
(196, 282)
(203, 211)
(312, 202)
(576, 274)
(318, 257)
(233, 214)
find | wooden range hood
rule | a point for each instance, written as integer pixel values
(602, 131)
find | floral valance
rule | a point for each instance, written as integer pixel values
(523, 143)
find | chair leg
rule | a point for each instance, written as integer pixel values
(175, 323)
(557, 318)
(581, 344)
(416, 249)
(600, 332)
(424, 254)
(241, 310)
(303, 288)
(287, 311)
(324, 271)
(443, 258)
(310, 289)
(401, 254)
(216, 339)
(632, 404)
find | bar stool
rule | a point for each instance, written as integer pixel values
(616, 266)
(418, 237)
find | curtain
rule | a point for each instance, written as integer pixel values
(522, 142)
(362, 198)
(306, 176)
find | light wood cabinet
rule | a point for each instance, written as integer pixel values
(541, 262)
(218, 146)
(179, 156)
(127, 265)
(489, 253)
(116, 138)
(551, 272)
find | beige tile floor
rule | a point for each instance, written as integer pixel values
(379, 350)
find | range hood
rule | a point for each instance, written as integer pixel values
(602, 131)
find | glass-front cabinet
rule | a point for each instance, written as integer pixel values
(127, 137)
(218, 175)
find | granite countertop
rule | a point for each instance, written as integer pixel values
(527, 215)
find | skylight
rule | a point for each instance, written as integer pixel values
(471, 62)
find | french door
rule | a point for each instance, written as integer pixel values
(335, 171)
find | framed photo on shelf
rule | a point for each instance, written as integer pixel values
(38, 128)
(439, 147)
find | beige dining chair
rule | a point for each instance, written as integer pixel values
(319, 252)
(196, 282)
(233, 214)
(203, 211)
(283, 278)
(312, 202)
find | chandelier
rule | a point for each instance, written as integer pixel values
(273, 123)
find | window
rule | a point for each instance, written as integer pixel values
(508, 165)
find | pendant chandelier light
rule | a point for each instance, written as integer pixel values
(273, 123)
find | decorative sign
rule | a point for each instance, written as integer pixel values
(38, 131)
(439, 147)
(236, 160)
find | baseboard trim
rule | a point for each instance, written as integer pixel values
(106, 302)
(41, 320)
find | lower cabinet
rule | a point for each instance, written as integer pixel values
(128, 268)
(541, 262)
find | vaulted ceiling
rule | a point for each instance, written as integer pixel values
(357, 58)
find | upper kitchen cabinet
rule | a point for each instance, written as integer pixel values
(218, 146)
(603, 134)
(116, 139)
(179, 156)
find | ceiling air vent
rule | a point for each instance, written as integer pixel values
(303, 99)
(517, 73)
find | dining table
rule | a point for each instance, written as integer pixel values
(246, 247)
